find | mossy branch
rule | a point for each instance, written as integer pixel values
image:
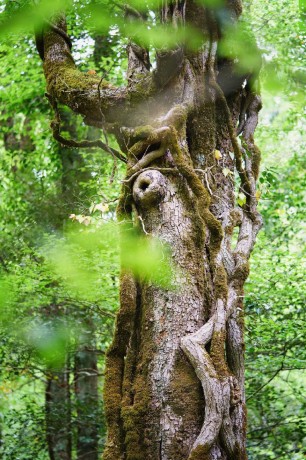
(82, 92)
(71, 143)
(245, 182)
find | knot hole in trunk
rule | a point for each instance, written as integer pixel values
(149, 188)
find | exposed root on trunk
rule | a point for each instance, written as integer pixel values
(219, 386)
(222, 387)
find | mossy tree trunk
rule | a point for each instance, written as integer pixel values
(174, 385)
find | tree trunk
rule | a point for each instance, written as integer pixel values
(58, 416)
(174, 386)
(175, 375)
(87, 402)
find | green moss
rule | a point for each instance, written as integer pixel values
(200, 453)
(217, 353)
(115, 362)
(134, 416)
(202, 134)
(112, 401)
(256, 158)
(143, 87)
(143, 132)
(136, 390)
(64, 77)
(177, 117)
(186, 392)
(136, 395)
(185, 396)
(242, 271)
(221, 285)
(124, 208)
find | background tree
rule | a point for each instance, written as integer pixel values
(49, 186)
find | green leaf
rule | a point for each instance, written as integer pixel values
(241, 199)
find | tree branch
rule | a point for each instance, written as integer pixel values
(83, 93)
(56, 126)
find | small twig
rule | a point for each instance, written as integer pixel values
(266, 383)
(85, 144)
(128, 9)
(207, 183)
(142, 224)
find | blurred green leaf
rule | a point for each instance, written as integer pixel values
(49, 341)
(28, 15)
(147, 257)
(212, 3)
(240, 45)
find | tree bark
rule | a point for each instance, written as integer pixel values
(58, 424)
(87, 402)
(174, 386)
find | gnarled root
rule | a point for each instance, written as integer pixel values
(221, 390)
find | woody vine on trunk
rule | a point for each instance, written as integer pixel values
(174, 386)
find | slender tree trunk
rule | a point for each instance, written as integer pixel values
(174, 387)
(87, 402)
(58, 421)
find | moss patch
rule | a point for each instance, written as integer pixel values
(115, 361)
(217, 353)
(187, 400)
(200, 453)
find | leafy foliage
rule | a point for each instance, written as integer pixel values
(276, 360)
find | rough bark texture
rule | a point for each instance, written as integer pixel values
(174, 387)
(58, 416)
(87, 403)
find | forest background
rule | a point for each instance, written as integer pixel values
(59, 257)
